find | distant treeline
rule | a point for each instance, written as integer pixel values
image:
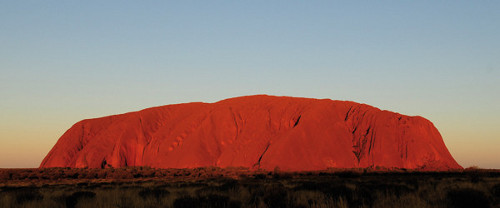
(213, 172)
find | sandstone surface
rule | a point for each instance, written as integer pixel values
(294, 134)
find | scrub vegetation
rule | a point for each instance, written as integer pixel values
(239, 187)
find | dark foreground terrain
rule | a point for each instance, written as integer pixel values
(235, 187)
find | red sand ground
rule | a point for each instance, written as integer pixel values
(294, 134)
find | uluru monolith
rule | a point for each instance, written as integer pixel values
(294, 134)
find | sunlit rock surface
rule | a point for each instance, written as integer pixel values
(259, 131)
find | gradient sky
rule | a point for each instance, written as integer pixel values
(64, 61)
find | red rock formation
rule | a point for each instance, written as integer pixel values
(257, 132)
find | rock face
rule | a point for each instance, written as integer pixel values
(259, 131)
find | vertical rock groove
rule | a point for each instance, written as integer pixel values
(257, 164)
(297, 122)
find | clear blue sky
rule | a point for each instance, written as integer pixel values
(64, 61)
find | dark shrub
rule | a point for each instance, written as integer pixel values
(260, 176)
(365, 196)
(156, 193)
(475, 177)
(5, 175)
(496, 190)
(330, 189)
(120, 174)
(467, 197)
(205, 201)
(73, 175)
(336, 190)
(73, 199)
(33, 176)
(27, 194)
(228, 184)
(191, 184)
(282, 175)
(349, 174)
(186, 201)
(82, 184)
(396, 189)
(92, 175)
(15, 175)
(137, 175)
(148, 173)
(275, 195)
(158, 174)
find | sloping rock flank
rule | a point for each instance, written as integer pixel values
(259, 131)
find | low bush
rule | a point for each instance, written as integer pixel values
(468, 197)
(156, 193)
(24, 195)
(73, 199)
(212, 200)
(496, 190)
